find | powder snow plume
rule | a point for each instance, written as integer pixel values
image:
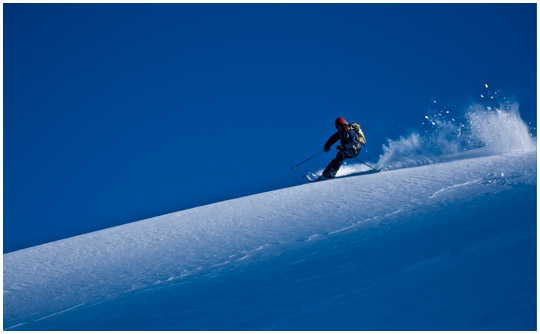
(482, 130)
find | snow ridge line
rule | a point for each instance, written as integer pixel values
(454, 186)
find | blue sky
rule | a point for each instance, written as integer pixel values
(119, 112)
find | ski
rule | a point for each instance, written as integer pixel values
(312, 177)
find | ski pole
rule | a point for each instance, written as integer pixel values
(378, 170)
(294, 167)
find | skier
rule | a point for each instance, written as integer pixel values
(350, 146)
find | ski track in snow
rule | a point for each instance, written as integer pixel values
(51, 279)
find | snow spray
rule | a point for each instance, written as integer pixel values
(482, 130)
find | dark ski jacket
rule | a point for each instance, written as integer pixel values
(349, 141)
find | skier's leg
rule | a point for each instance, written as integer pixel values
(334, 165)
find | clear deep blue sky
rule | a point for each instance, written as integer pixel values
(119, 112)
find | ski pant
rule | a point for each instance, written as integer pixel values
(334, 165)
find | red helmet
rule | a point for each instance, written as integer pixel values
(340, 121)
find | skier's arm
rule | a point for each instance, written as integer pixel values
(331, 141)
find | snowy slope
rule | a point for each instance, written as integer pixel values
(432, 247)
(444, 246)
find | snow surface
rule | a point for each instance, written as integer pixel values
(447, 244)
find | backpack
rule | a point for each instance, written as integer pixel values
(361, 137)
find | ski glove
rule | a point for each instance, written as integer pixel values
(326, 148)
